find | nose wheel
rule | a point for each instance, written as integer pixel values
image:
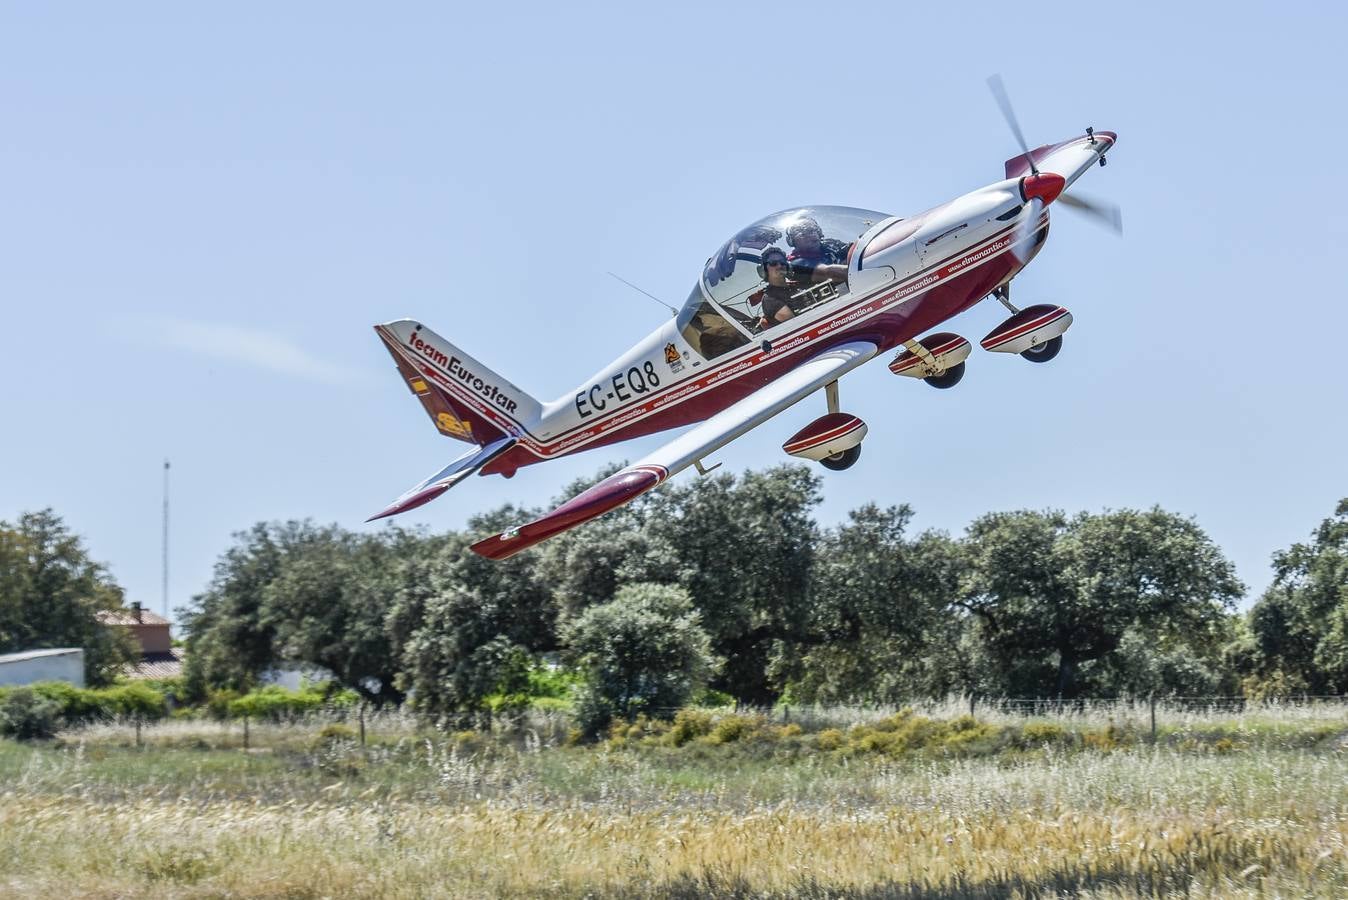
(844, 460)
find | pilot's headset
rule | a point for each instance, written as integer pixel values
(804, 223)
(763, 260)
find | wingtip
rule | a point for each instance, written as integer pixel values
(619, 488)
(410, 502)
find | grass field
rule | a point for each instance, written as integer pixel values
(1220, 805)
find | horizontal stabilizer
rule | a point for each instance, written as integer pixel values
(446, 478)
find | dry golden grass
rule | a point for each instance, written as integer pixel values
(421, 817)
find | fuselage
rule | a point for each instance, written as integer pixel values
(904, 275)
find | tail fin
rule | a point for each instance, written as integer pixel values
(464, 398)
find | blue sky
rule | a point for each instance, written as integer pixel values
(204, 211)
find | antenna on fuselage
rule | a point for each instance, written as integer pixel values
(672, 310)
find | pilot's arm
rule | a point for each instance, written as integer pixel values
(834, 273)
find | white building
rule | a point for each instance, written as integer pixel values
(63, 664)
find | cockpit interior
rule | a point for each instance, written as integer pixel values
(770, 274)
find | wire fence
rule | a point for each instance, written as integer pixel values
(361, 724)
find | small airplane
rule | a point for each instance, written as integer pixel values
(784, 308)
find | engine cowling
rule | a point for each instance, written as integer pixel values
(826, 436)
(944, 351)
(1028, 328)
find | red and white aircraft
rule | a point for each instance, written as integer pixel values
(783, 309)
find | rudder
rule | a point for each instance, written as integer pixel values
(465, 399)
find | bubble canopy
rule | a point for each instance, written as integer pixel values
(771, 271)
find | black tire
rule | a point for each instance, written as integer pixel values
(1042, 353)
(947, 379)
(844, 460)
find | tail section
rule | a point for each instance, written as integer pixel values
(465, 399)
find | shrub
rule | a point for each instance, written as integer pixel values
(829, 739)
(689, 724)
(78, 705)
(1036, 734)
(26, 715)
(733, 728)
(275, 702)
(75, 704)
(134, 699)
(336, 733)
(551, 704)
(557, 684)
(218, 703)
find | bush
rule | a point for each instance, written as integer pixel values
(734, 728)
(75, 704)
(689, 724)
(26, 715)
(218, 703)
(134, 699)
(79, 705)
(336, 733)
(829, 739)
(1036, 734)
(275, 702)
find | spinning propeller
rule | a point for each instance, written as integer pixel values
(1041, 189)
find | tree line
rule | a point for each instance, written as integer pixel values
(727, 583)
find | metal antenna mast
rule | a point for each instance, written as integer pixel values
(166, 510)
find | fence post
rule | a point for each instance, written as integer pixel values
(137, 732)
(362, 723)
(973, 700)
(1151, 701)
(245, 732)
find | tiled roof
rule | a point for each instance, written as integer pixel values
(127, 617)
(157, 665)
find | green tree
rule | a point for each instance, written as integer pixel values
(743, 549)
(1060, 593)
(643, 652)
(328, 604)
(471, 627)
(587, 565)
(51, 594)
(1299, 627)
(299, 594)
(229, 642)
(880, 611)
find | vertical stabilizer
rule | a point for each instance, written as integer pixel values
(465, 399)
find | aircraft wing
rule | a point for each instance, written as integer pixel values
(624, 486)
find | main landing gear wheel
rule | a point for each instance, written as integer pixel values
(1042, 353)
(947, 379)
(844, 460)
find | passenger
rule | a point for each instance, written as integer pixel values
(779, 302)
(813, 257)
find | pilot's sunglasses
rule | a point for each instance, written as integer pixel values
(773, 263)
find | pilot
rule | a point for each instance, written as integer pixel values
(813, 257)
(779, 302)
